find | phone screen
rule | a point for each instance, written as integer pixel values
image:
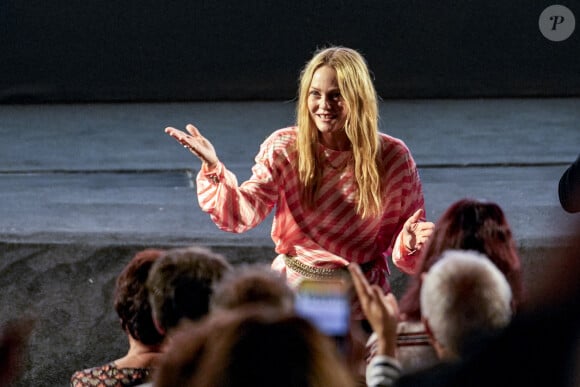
(326, 304)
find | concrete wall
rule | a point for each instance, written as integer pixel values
(236, 50)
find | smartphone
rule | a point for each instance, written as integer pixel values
(326, 303)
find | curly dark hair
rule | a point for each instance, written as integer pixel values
(131, 299)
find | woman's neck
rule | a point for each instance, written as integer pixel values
(139, 355)
(336, 141)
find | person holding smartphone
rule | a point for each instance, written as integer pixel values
(342, 191)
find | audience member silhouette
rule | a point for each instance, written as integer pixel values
(468, 224)
(180, 287)
(181, 283)
(254, 346)
(14, 337)
(464, 299)
(258, 284)
(254, 283)
(131, 302)
(464, 295)
(569, 187)
(540, 347)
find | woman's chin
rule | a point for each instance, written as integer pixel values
(328, 128)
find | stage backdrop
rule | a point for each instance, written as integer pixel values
(78, 50)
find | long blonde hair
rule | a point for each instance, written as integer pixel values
(361, 127)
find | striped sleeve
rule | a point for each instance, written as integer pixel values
(382, 371)
(239, 208)
(405, 260)
(412, 200)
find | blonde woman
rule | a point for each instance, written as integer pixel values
(342, 191)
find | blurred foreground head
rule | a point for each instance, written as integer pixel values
(14, 337)
(254, 346)
(253, 284)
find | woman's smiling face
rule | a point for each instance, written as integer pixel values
(328, 110)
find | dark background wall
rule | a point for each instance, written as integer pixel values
(59, 51)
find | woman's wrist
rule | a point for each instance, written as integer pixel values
(387, 346)
(206, 166)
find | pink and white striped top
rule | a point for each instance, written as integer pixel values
(333, 234)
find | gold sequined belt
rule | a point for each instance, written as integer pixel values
(320, 272)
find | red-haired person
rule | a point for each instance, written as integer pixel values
(468, 224)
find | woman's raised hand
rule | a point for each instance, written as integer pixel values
(416, 232)
(196, 143)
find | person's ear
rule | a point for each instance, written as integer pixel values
(158, 326)
(439, 349)
(428, 328)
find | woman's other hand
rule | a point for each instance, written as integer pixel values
(416, 232)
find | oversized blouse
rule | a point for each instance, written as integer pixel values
(330, 234)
